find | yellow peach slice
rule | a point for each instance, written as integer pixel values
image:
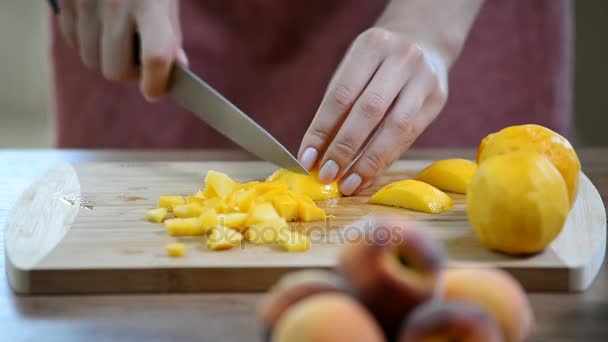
(307, 185)
(216, 203)
(209, 219)
(414, 195)
(157, 215)
(452, 175)
(222, 238)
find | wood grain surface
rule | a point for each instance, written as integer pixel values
(81, 229)
(224, 316)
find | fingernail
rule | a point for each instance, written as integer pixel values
(329, 171)
(309, 158)
(350, 184)
(182, 57)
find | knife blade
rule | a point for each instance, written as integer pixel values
(207, 104)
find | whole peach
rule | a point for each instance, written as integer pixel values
(497, 292)
(327, 318)
(295, 287)
(450, 321)
(395, 270)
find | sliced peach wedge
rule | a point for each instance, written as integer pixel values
(451, 175)
(414, 195)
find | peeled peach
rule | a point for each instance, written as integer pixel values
(307, 185)
(539, 139)
(498, 293)
(414, 195)
(394, 270)
(452, 175)
(450, 321)
(517, 203)
(327, 318)
(293, 288)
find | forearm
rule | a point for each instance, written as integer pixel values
(441, 25)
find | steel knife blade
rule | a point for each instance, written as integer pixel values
(207, 104)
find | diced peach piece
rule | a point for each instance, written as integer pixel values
(309, 186)
(222, 238)
(293, 241)
(241, 200)
(176, 250)
(262, 188)
(218, 184)
(286, 206)
(236, 221)
(216, 203)
(157, 215)
(185, 227)
(196, 199)
(265, 233)
(209, 219)
(261, 213)
(168, 202)
(307, 209)
(187, 210)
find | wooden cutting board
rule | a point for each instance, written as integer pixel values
(81, 229)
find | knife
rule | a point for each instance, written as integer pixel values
(194, 94)
(210, 106)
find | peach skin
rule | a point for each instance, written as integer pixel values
(392, 276)
(450, 322)
(327, 318)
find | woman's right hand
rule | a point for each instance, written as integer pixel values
(103, 31)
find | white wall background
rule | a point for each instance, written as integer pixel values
(24, 119)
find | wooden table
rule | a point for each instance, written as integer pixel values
(227, 317)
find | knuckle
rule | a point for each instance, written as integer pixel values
(373, 106)
(376, 37)
(345, 147)
(374, 162)
(403, 124)
(319, 133)
(342, 96)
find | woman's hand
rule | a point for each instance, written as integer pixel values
(385, 80)
(103, 31)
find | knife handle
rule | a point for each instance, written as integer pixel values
(54, 4)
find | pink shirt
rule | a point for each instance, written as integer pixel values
(274, 60)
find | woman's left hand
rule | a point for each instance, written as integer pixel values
(386, 80)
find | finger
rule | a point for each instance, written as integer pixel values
(369, 110)
(160, 46)
(404, 123)
(117, 61)
(88, 33)
(67, 22)
(355, 72)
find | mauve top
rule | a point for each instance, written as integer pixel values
(274, 59)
